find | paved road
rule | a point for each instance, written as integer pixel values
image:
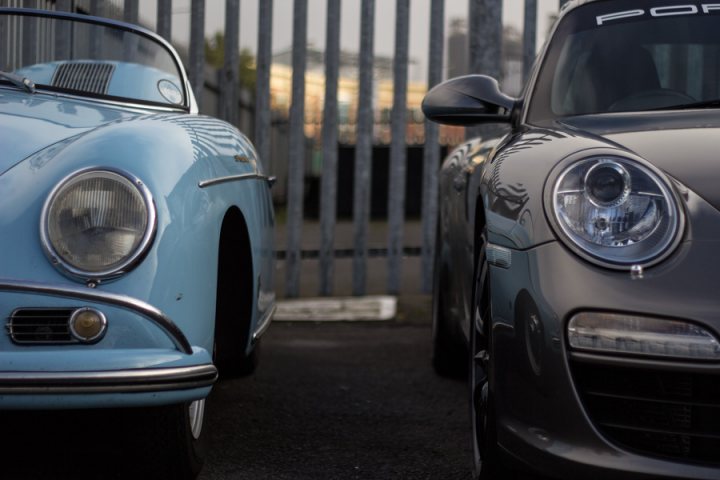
(329, 401)
(341, 402)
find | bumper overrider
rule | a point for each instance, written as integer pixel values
(162, 369)
(636, 403)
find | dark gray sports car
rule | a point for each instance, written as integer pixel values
(579, 250)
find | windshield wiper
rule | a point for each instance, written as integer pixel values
(689, 106)
(19, 81)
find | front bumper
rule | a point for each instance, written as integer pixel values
(144, 359)
(543, 421)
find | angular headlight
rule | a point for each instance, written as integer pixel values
(616, 210)
(97, 223)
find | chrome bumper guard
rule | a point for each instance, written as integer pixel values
(120, 381)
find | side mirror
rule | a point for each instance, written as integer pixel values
(468, 100)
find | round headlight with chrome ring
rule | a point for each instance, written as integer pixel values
(97, 223)
(616, 211)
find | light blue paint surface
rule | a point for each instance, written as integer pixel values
(45, 138)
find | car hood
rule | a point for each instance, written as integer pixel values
(30, 123)
(685, 145)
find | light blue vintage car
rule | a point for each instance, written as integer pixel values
(136, 236)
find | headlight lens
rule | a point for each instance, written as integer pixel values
(617, 210)
(96, 223)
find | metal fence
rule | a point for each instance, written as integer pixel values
(485, 37)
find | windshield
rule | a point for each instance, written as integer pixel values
(89, 59)
(621, 56)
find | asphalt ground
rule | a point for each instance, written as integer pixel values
(328, 401)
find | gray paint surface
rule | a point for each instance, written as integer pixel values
(297, 148)
(328, 194)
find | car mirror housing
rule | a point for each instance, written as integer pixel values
(468, 100)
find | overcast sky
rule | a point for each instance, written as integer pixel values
(350, 29)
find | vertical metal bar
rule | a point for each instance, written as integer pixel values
(62, 32)
(529, 34)
(30, 40)
(485, 32)
(363, 147)
(97, 8)
(431, 152)
(296, 168)
(262, 93)
(5, 45)
(229, 85)
(131, 13)
(197, 49)
(398, 147)
(328, 194)
(164, 19)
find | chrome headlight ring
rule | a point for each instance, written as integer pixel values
(98, 206)
(614, 209)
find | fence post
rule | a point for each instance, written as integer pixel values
(62, 31)
(229, 85)
(197, 49)
(398, 147)
(164, 19)
(296, 168)
(363, 147)
(262, 99)
(485, 32)
(4, 61)
(529, 34)
(328, 194)
(30, 40)
(431, 151)
(130, 11)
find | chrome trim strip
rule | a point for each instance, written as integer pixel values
(117, 381)
(264, 323)
(233, 178)
(131, 261)
(121, 301)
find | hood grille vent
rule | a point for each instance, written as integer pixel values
(88, 77)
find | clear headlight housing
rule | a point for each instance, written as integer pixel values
(97, 223)
(616, 210)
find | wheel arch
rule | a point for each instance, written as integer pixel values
(235, 286)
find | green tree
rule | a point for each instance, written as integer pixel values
(215, 56)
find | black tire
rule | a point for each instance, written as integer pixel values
(166, 444)
(487, 464)
(448, 354)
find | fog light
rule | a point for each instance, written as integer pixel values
(87, 325)
(629, 334)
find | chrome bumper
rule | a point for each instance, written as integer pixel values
(121, 381)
